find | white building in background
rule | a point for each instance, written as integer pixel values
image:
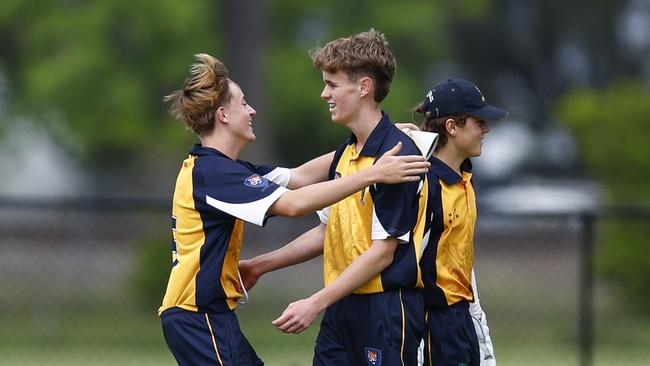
(34, 166)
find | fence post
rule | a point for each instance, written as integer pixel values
(586, 301)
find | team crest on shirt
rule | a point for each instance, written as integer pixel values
(373, 356)
(256, 181)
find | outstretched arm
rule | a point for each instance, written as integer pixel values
(481, 328)
(311, 172)
(299, 315)
(390, 168)
(305, 247)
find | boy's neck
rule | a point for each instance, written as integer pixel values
(363, 124)
(227, 145)
(451, 159)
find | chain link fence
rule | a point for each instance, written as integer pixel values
(82, 281)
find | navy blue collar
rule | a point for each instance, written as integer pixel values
(376, 137)
(199, 150)
(447, 174)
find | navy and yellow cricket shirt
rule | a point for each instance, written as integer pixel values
(214, 195)
(449, 253)
(375, 213)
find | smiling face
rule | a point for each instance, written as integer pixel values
(469, 138)
(239, 114)
(342, 96)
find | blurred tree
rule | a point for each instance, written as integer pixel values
(611, 128)
(104, 65)
(100, 69)
(244, 28)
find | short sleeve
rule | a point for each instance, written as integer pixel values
(236, 188)
(278, 175)
(395, 210)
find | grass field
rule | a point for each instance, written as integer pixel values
(108, 338)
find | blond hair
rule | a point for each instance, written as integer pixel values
(205, 90)
(363, 54)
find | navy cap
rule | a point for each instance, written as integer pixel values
(457, 96)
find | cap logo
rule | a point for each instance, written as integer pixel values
(479, 91)
(430, 96)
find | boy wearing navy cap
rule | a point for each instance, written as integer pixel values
(456, 110)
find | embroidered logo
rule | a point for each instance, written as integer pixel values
(479, 91)
(256, 181)
(373, 356)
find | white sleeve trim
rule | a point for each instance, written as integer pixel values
(379, 233)
(280, 176)
(253, 212)
(324, 215)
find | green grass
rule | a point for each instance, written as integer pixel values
(107, 338)
(543, 334)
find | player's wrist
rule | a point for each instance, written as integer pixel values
(319, 300)
(374, 174)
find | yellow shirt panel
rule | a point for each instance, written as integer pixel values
(455, 257)
(349, 226)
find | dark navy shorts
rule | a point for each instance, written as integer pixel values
(451, 339)
(207, 339)
(372, 330)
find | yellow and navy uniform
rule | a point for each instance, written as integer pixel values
(382, 320)
(447, 267)
(375, 213)
(214, 195)
(449, 254)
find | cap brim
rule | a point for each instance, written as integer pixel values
(489, 113)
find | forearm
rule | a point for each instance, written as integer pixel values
(316, 196)
(362, 270)
(313, 171)
(389, 169)
(305, 247)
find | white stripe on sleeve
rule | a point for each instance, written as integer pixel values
(253, 212)
(379, 233)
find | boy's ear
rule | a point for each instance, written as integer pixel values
(450, 126)
(220, 115)
(365, 86)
